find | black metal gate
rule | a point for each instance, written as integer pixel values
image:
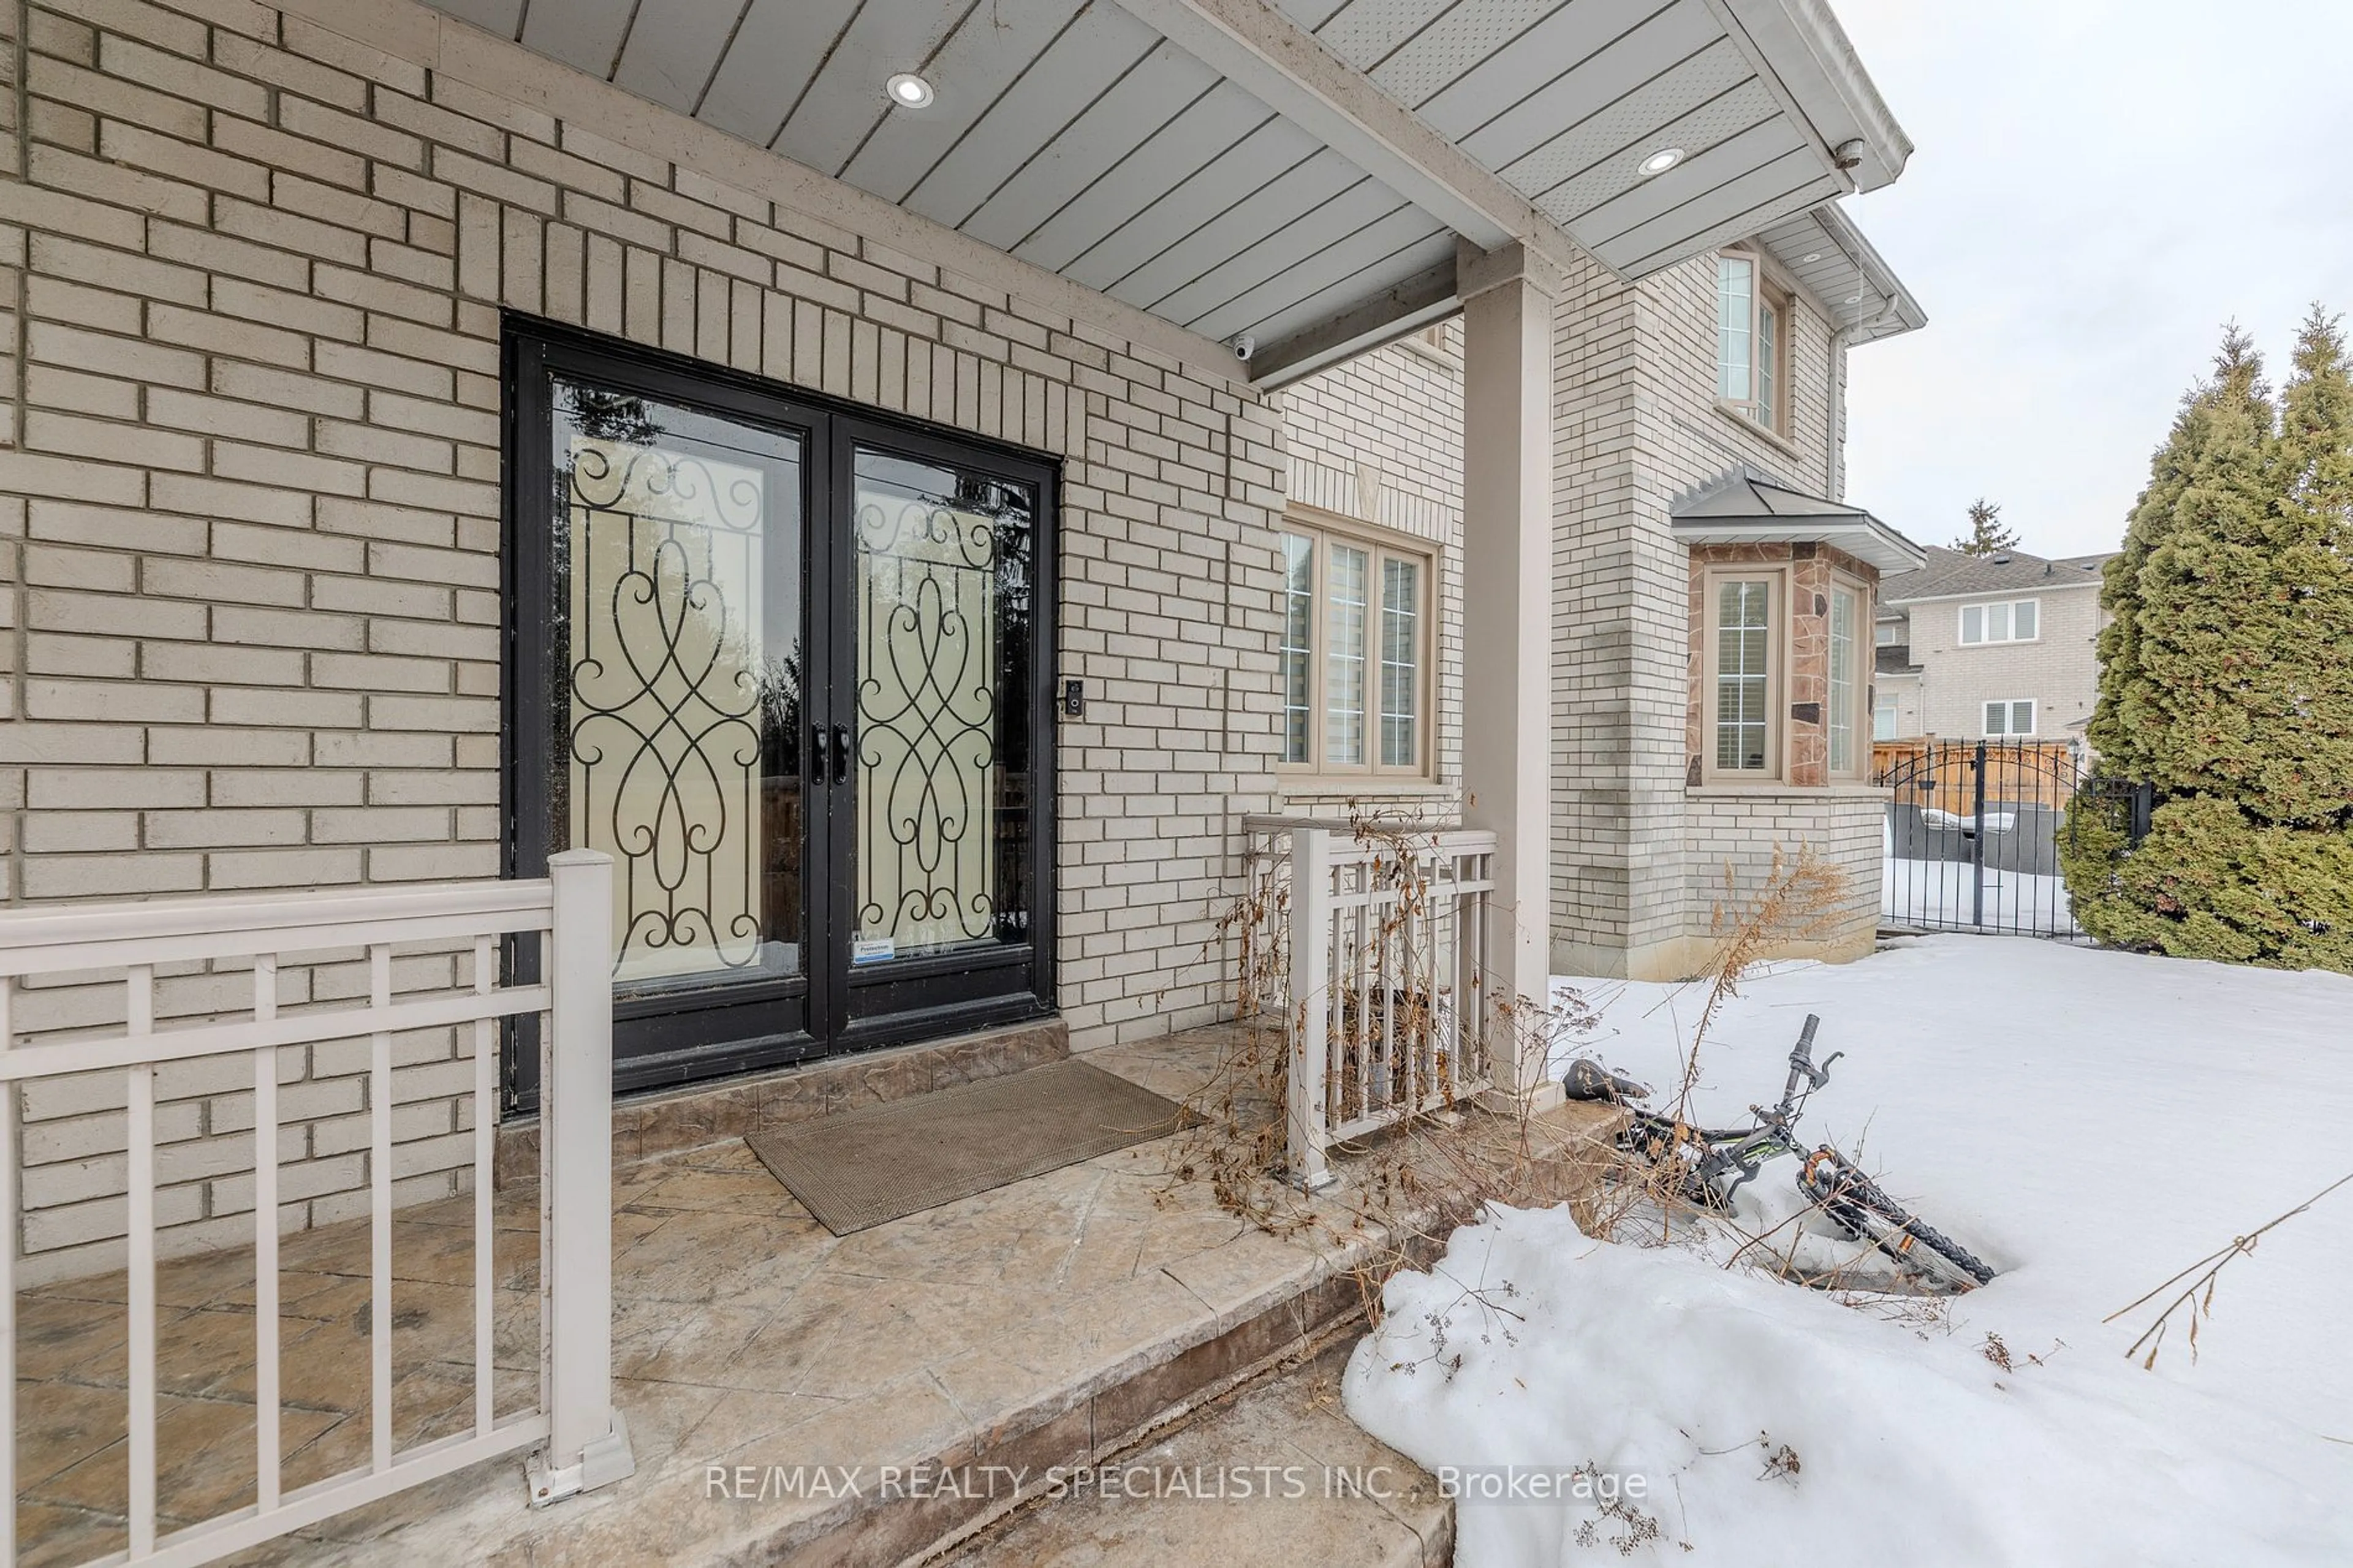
(1973, 834)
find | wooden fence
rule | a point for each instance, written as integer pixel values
(1940, 773)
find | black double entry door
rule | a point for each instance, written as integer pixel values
(786, 661)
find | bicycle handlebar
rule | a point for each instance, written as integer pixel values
(1801, 1059)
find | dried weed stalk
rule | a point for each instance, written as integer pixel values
(2198, 1296)
(1406, 1188)
(1797, 902)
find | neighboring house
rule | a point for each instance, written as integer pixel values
(912, 537)
(1989, 647)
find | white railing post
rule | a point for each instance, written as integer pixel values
(1307, 1112)
(588, 1444)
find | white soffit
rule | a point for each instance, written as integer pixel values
(1300, 169)
(1824, 251)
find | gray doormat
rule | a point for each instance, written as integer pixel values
(863, 1167)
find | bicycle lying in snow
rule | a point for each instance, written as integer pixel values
(1703, 1166)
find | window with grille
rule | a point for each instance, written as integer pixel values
(1752, 342)
(1355, 652)
(1845, 693)
(1743, 675)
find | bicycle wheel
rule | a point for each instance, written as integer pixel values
(1859, 1204)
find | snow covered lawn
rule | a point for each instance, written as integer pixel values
(1945, 893)
(2088, 1122)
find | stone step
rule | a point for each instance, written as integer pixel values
(1047, 1324)
(1293, 1313)
(1272, 1474)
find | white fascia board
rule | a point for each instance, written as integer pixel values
(1908, 317)
(1287, 69)
(1865, 538)
(1998, 596)
(1798, 47)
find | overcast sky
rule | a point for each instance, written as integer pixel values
(2099, 185)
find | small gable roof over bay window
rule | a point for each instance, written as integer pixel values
(1747, 507)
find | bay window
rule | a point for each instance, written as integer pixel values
(1355, 652)
(1845, 702)
(1744, 611)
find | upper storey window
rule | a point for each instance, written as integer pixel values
(1752, 342)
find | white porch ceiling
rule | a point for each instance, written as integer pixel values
(1075, 135)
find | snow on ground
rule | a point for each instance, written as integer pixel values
(2089, 1122)
(1943, 893)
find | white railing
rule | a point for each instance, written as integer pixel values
(583, 1441)
(1387, 991)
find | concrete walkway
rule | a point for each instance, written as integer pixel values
(1044, 1323)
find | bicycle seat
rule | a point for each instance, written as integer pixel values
(1590, 1080)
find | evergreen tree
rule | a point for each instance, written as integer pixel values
(2209, 412)
(2224, 681)
(1987, 535)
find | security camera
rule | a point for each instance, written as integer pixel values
(1244, 346)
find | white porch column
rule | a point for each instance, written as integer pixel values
(1507, 329)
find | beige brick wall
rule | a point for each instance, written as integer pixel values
(1905, 689)
(2059, 668)
(252, 512)
(1736, 836)
(1636, 424)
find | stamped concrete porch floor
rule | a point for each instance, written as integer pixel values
(1042, 1323)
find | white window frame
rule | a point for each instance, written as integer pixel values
(2010, 707)
(1380, 546)
(1886, 634)
(1777, 643)
(1859, 701)
(1764, 294)
(1984, 611)
(1885, 706)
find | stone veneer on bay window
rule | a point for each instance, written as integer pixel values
(1809, 687)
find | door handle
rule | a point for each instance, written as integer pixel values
(841, 753)
(816, 754)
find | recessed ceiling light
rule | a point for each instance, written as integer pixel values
(909, 90)
(1659, 162)
(1854, 298)
(1813, 255)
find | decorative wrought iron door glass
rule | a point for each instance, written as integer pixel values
(943, 589)
(680, 702)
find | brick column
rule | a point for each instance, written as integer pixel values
(1507, 326)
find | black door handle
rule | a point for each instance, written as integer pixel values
(841, 753)
(816, 754)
